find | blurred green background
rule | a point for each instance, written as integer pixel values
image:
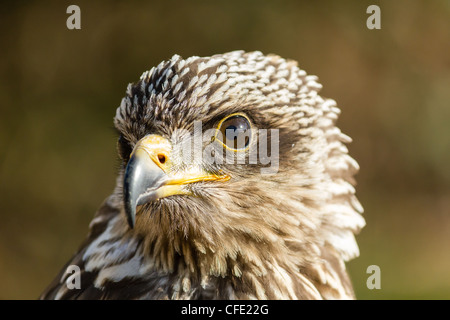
(59, 89)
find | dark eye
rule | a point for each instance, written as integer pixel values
(124, 148)
(235, 132)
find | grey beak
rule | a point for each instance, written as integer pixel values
(142, 178)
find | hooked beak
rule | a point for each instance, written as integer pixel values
(148, 175)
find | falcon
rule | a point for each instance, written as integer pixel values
(235, 183)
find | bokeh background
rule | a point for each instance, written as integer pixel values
(59, 89)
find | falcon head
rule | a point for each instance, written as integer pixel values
(183, 187)
(234, 181)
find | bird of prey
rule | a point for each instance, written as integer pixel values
(180, 226)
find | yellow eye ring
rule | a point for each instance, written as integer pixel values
(238, 122)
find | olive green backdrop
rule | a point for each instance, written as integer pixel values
(59, 89)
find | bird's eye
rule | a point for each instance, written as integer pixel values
(235, 132)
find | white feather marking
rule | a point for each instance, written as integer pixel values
(286, 280)
(128, 269)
